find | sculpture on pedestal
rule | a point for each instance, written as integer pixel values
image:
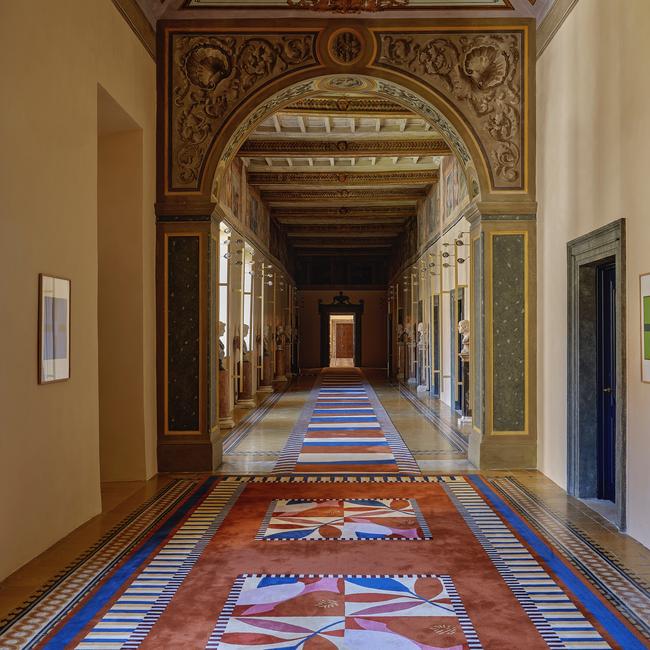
(280, 357)
(225, 404)
(401, 338)
(222, 345)
(463, 330)
(245, 397)
(267, 372)
(422, 348)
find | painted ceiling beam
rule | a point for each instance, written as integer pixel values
(370, 211)
(344, 148)
(360, 106)
(425, 176)
(375, 194)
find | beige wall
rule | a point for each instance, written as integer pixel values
(55, 55)
(373, 335)
(120, 304)
(593, 134)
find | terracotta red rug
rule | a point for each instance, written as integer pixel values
(380, 562)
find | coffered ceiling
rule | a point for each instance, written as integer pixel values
(343, 172)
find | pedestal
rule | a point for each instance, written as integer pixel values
(267, 376)
(225, 407)
(466, 417)
(280, 368)
(245, 398)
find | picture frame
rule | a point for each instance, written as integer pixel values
(54, 313)
(644, 303)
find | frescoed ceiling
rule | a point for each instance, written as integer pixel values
(186, 9)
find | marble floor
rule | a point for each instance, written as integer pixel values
(256, 453)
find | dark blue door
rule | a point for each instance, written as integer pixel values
(606, 295)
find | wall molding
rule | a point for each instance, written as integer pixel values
(139, 24)
(552, 22)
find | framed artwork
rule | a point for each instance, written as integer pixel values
(645, 327)
(53, 329)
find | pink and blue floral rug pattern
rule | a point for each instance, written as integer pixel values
(344, 519)
(292, 612)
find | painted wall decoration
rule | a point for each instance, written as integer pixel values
(429, 217)
(243, 202)
(454, 189)
(645, 327)
(53, 329)
(235, 201)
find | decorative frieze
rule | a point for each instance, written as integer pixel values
(482, 72)
(211, 74)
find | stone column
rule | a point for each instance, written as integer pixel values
(280, 356)
(246, 399)
(225, 400)
(267, 372)
(502, 354)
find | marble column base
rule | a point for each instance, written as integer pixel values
(245, 398)
(225, 410)
(217, 448)
(265, 389)
(502, 452)
(280, 368)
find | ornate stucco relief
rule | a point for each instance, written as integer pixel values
(210, 76)
(482, 74)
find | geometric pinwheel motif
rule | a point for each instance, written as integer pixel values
(420, 612)
(344, 519)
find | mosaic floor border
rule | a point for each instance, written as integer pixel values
(28, 624)
(625, 590)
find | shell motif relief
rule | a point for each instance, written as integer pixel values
(482, 73)
(210, 76)
(486, 66)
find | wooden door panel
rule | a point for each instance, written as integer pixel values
(344, 345)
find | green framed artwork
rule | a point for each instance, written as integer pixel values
(644, 284)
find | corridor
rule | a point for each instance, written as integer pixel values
(341, 518)
(326, 325)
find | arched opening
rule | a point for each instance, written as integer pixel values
(440, 277)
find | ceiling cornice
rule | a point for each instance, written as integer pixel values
(552, 22)
(139, 23)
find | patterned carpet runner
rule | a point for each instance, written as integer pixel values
(344, 429)
(298, 562)
(350, 549)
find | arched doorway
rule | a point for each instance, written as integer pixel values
(472, 81)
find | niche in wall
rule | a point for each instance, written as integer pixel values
(120, 292)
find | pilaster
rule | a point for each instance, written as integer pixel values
(503, 350)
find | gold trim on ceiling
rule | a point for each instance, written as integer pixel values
(343, 178)
(345, 148)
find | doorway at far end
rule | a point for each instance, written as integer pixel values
(341, 336)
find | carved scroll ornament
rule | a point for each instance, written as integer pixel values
(482, 72)
(211, 75)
